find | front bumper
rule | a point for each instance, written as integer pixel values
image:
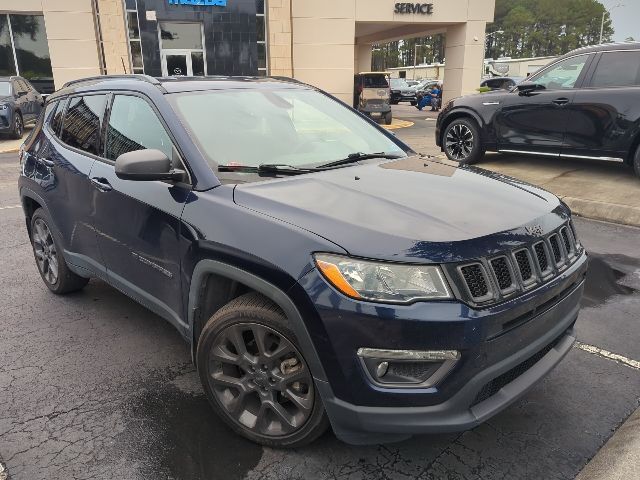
(492, 374)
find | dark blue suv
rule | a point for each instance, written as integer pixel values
(322, 272)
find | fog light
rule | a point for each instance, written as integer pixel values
(407, 368)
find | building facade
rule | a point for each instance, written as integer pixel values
(322, 43)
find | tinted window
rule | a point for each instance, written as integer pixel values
(81, 128)
(375, 81)
(617, 69)
(49, 111)
(21, 86)
(563, 74)
(399, 83)
(56, 120)
(133, 125)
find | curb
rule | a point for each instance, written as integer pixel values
(10, 150)
(604, 211)
(619, 458)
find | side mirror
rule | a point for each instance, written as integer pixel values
(146, 165)
(527, 88)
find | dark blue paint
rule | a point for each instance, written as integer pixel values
(148, 238)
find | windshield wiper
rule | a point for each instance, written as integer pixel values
(356, 157)
(267, 168)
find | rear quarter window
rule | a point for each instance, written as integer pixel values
(82, 122)
(617, 69)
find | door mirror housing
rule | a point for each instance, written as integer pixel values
(146, 165)
(526, 88)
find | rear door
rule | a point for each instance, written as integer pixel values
(138, 222)
(536, 123)
(604, 116)
(22, 102)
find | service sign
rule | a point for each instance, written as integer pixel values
(417, 8)
(206, 3)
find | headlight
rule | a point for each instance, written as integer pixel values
(383, 282)
(3, 106)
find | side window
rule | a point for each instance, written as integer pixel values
(133, 125)
(21, 87)
(82, 121)
(49, 111)
(617, 69)
(563, 74)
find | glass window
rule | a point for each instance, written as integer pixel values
(197, 63)
(48, 111)
(292, 126)
(132, 23)
(56, 120)
(262, 56)
(32, 49)
(181, 36)
(260, 7)
(136, 55)
(260, 30)
(133, 125)
(7, 62)
(563, 74)
(5, 89)
(21, 87)
(617, 69)
(81, 128)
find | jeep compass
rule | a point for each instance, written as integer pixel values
(323, 273)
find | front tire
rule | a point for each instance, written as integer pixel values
(48, 254)
(255, 376)
(388, 118)
(461, 141)
(636, 162)
(18, 126)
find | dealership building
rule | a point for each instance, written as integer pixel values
(320, 42)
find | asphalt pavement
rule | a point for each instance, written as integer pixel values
(94, 386)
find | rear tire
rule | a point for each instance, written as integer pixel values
(255, 376)
(388, 118)
(461, 141)
(636, 162)
(48, 254)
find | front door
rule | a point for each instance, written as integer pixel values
(537, 122)
(182, 49)
(138, 222)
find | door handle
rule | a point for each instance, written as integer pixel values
(560, 101)
(101, 184)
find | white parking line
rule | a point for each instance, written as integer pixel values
(607, 354)
(10, 206)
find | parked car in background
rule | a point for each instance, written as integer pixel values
(322, 272)
(584, 105)
(412, 83)
(372, 95)
(501, 83)
(20, 105)
(402, 92)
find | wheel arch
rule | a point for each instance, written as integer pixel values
(31, 201)
(226, 275)
(456, 114)
(635, 144)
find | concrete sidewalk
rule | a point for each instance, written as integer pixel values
(619, 458)
(10, 145)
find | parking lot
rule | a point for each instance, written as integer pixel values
(93, 385)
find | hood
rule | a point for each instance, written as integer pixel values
(408, 209)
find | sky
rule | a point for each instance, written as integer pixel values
(625, 18)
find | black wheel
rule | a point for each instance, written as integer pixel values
(256, 377)
(48, 254)
(461, 141)
(18, 126)
(388, 118)
(394, 102)
(636, 161)
(413, 103)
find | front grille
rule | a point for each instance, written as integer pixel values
(502, 272)
(475, 280)
(541, 256)
(494, 386)
(555, 248)
(490, 280)
(524, 265)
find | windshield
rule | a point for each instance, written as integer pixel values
(399, 83)
(5, 89)
(290, 126)
(375, 81)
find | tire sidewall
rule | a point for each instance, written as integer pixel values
(476, 150)
(18, 117)
(278, 323)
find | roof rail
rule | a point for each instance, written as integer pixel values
(137, 76)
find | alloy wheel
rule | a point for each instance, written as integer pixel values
(45, 251)
(459, 141)
(260, 379)
(19, 128)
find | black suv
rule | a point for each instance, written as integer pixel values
(585, 104)
(20, 105)
(321, 271)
